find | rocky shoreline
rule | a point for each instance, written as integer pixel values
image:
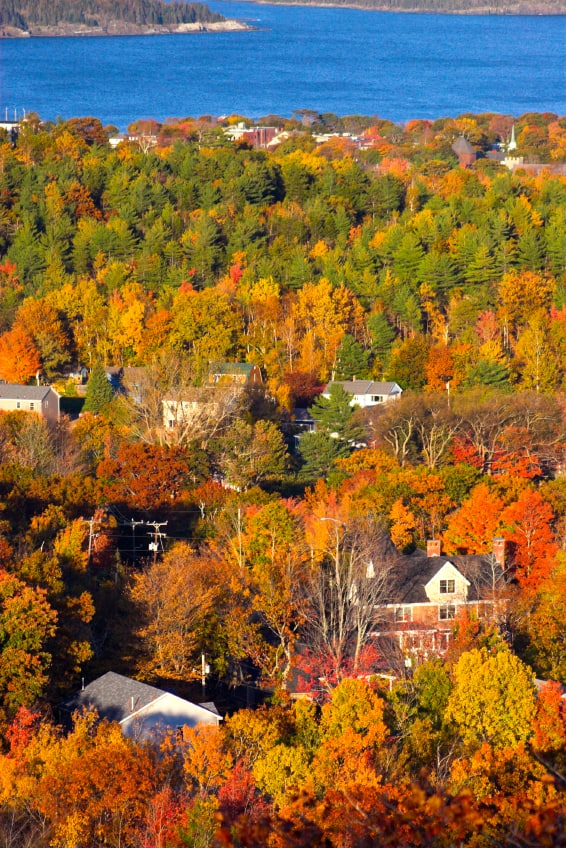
(116, 28)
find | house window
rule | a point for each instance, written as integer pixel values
(18, 405)
(377, 398)
(403, 614)
(447, 612)
(32, 406)
(447, 587)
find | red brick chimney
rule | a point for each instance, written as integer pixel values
(499, 551)
(433, 547)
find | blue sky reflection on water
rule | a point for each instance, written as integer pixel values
(333, 60)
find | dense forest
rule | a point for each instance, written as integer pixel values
(135, 544)
(51, 13)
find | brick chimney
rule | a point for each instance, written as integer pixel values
(433, 547)
(499, 551)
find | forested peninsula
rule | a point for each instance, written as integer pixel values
(108, 17)
(444, 7)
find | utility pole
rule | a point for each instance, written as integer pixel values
(133, 524)
(157, 537)
(91, 536)
(204, 670)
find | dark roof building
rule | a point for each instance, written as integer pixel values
(141, 710)
(427, 591)
(464, 151)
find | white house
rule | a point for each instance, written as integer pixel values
(43, 400)
(367, 392)
(142, 711)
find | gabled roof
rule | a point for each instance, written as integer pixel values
(114, 696)
(232, 368)
(365, 387)
(410, 575)
(462, 146)
(14, 391)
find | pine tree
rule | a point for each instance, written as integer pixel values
(333, 414)
(98, 391)
(319, 451)
(352, 360)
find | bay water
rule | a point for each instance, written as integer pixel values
(346, 61)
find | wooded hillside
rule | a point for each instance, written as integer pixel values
(49, 13)
(136, 539)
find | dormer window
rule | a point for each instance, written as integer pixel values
(447, 587)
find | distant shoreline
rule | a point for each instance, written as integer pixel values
(123, 28)
(485, 11)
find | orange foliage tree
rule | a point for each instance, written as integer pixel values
(528, 527)
(471, 528)
(145, 476)
(19, 357)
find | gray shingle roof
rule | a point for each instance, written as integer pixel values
(14, 391)
(410, 574)
(365, 387)
(114, 696)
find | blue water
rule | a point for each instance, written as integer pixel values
(345, 61)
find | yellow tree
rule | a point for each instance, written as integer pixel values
(521, 294)
(206, 324)
(127, 309)
(177, 597)
(537, 362)
(323, 315)
(493, 699)
(352, 734)
(207, 760)
(277, 556)
(27, 621)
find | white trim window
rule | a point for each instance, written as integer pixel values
(447, 612)
(403, 614)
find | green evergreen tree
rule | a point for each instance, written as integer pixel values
(488, 372)
(352, 360)
(407, 259)
(319, 451)
(99, 392)
(333, 415)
